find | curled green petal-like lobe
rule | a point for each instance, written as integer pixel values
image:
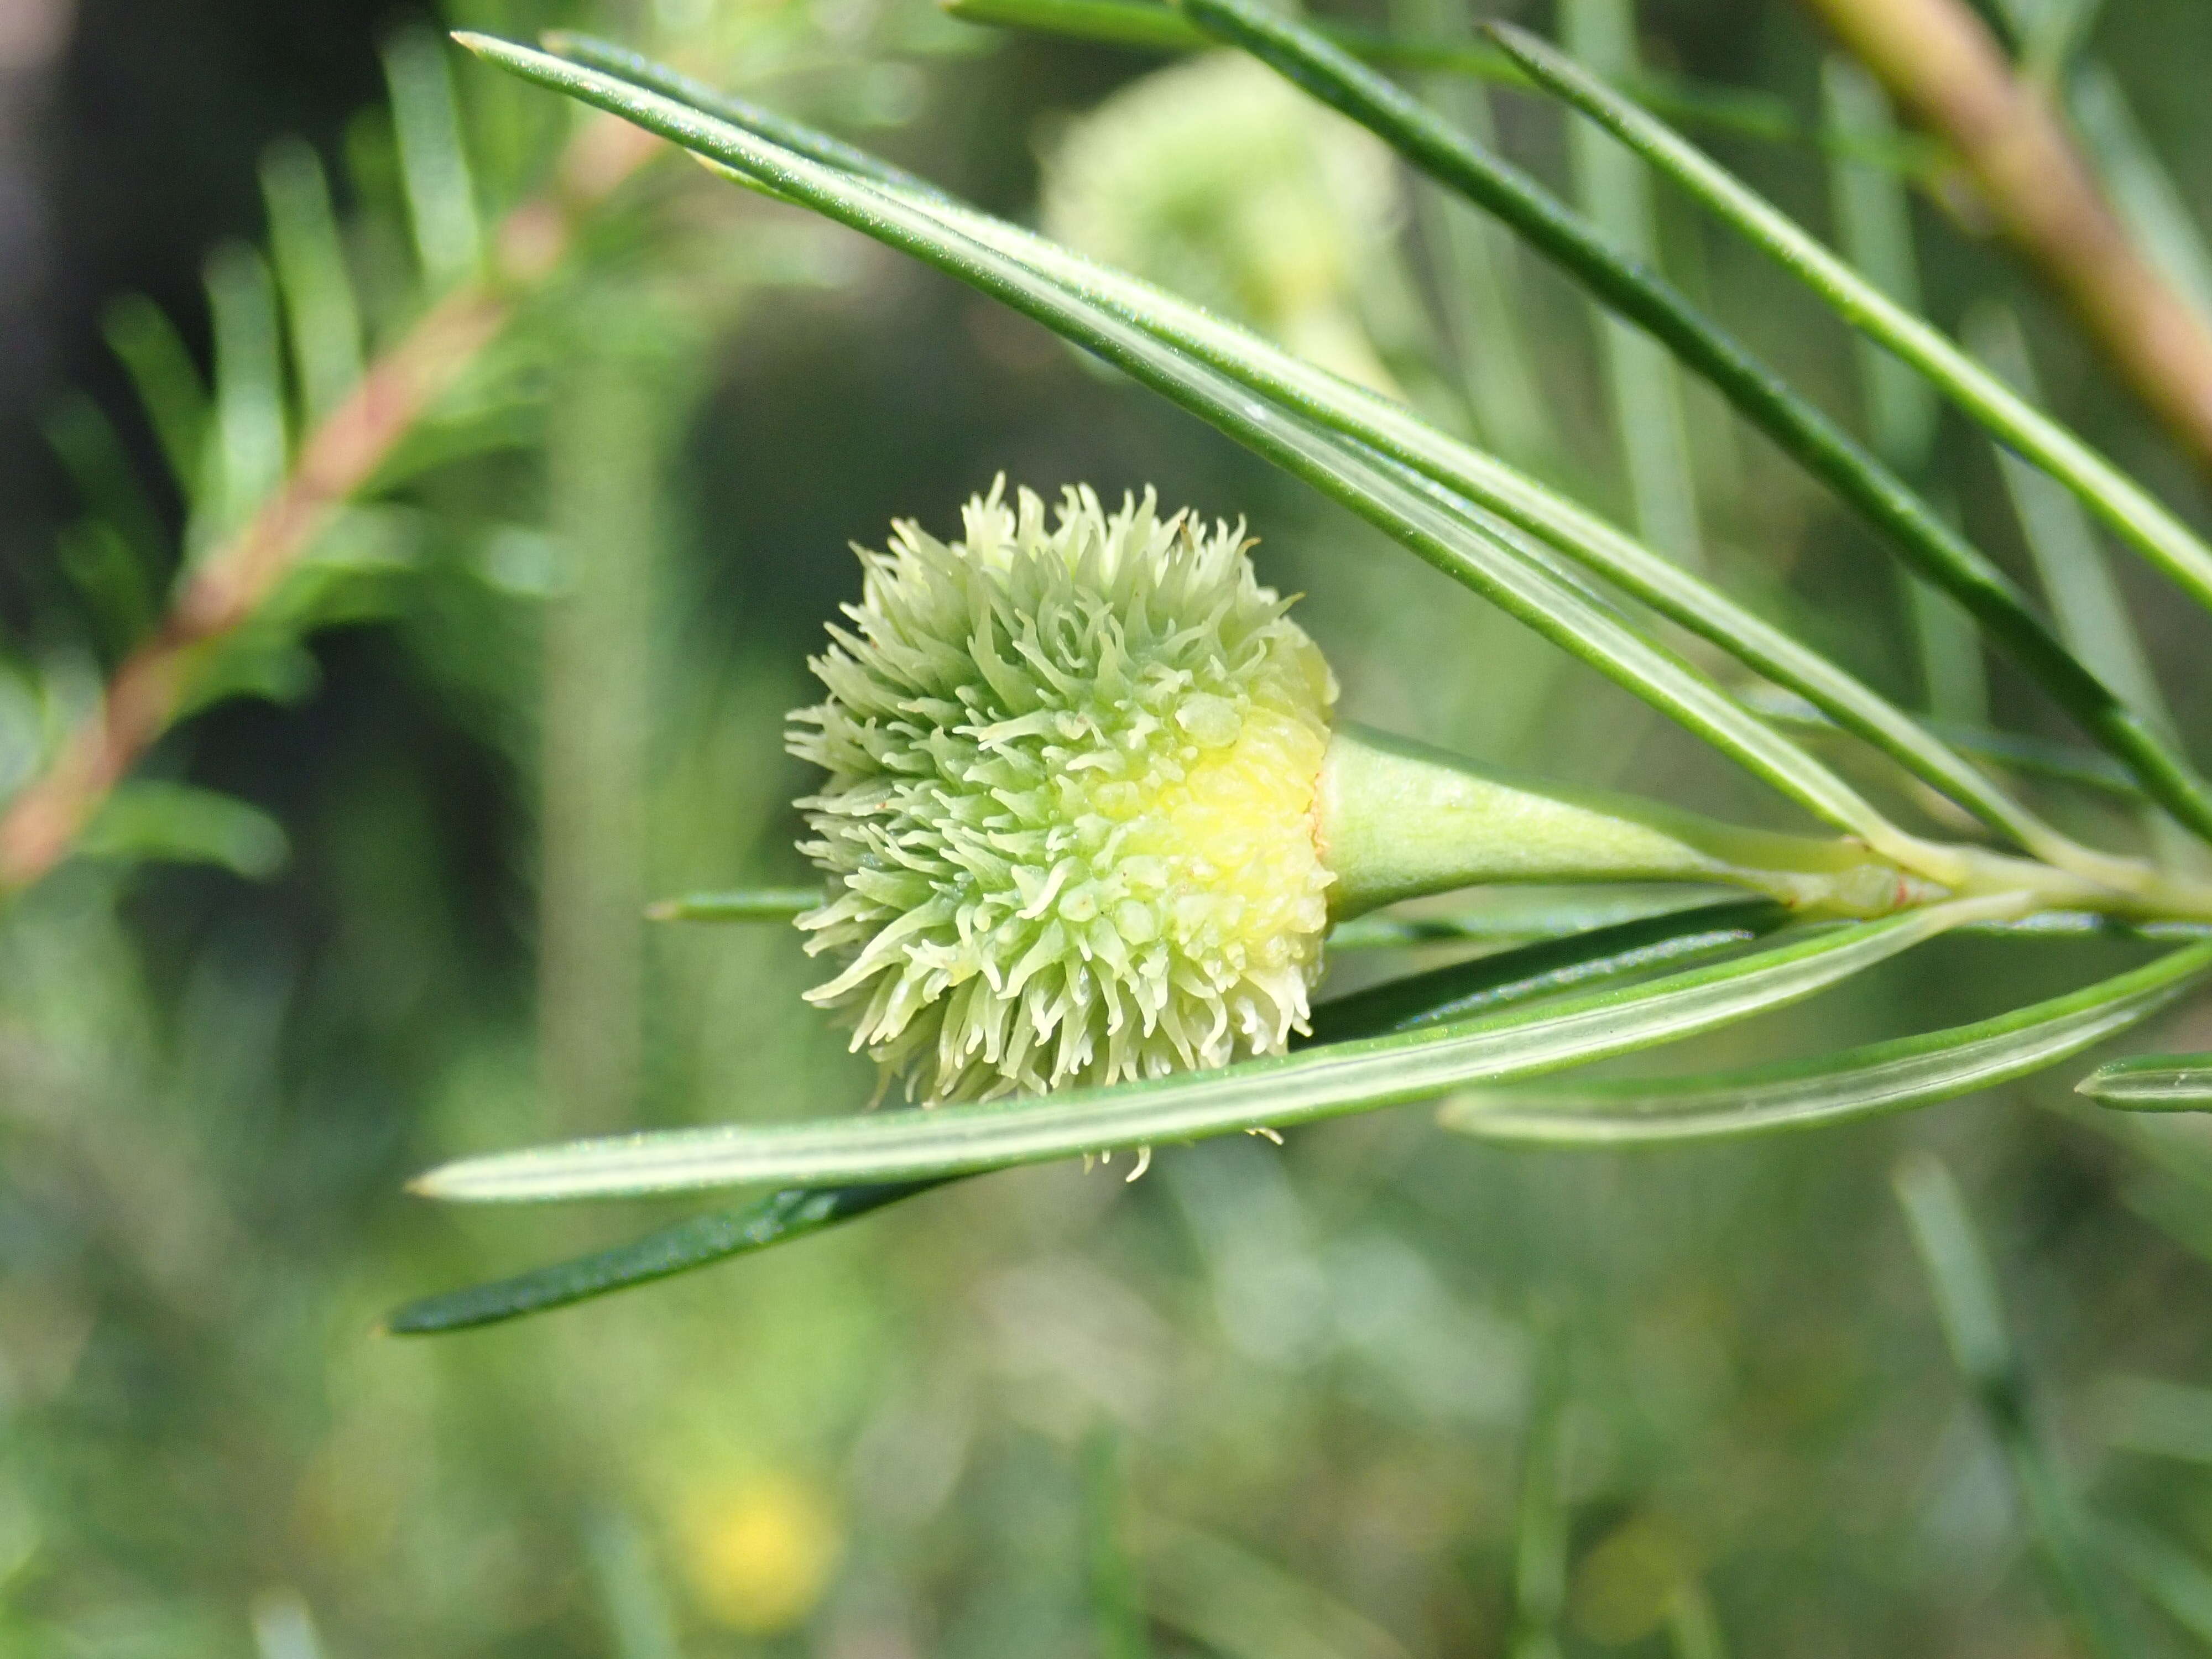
(1069, 819)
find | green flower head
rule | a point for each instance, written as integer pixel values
(1069, 822)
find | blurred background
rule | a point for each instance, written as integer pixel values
(1381, 1394)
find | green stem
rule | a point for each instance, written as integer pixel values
(1398, 820)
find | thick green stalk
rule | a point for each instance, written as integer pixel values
(1397, 819)
(1823, 448)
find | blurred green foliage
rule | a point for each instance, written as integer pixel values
(1377, 1394)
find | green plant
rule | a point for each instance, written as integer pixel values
(1503, 535)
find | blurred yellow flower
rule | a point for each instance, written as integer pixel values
(758, 1552)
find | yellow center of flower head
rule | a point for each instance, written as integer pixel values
(1070, 812)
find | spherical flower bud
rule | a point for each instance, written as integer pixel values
(1069, 822)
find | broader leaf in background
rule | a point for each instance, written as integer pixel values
(177, 823)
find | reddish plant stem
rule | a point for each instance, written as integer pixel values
(1941, 61)
(338, 459)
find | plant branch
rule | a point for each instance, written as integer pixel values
(338, 459)
(1941, 63)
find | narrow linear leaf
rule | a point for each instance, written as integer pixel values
(1543, 1517)
(2092, 616)
(2081, 924)
(1231, 1604)
(319, 306)
(1319, 1082)
(1495, 981)
(698, 1242)
(739, 904)
(1518, 916)
(146, 819)
(2153, 1083)
(1465, 988)
(2142, 191)
(2171, 1577)
(441, 199)
(1872, 208)
(810, 142)
(1866, 1082)
(1117, 1592)
(168, 382)
(633, 1595)
(250, 440)
(92, 451)
(1911, 527)
(1474, 270)
(1873, 212)
(2101, 487)
(2071, 564)
(1432, 525)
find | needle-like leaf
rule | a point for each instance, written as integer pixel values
(696, 1242)
(1324, 1082)
(442, 199)
(2101, 487)
(1512, 915)
(1467, 988)
(168, 382)
(2153, 1083)
(323, 315)
(1866, 1082)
